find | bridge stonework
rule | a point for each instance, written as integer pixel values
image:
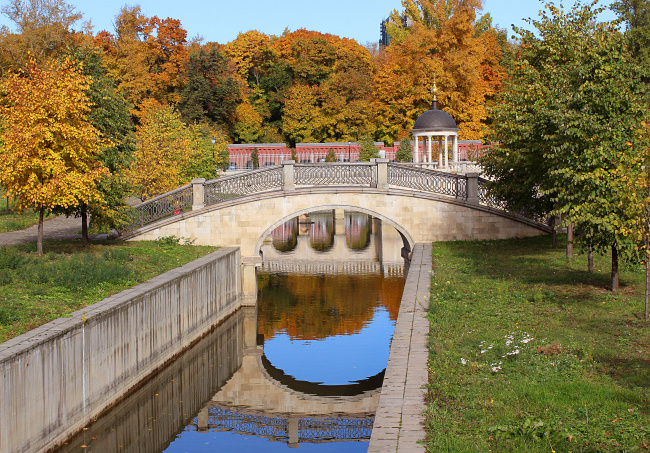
(419, 217)
(423, 205)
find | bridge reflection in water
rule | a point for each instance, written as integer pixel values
(303, 368)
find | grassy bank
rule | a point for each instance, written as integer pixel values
(14, 221)
(11, 220)
(531, 353)
(36, 290)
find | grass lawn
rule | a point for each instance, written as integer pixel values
(11, 220)
(531, 353)
(36, 290)
(14, 221)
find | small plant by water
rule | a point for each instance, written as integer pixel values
(35, 290)
(531, 353)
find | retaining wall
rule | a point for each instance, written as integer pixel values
(55, 378)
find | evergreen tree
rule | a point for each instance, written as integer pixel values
(368, 150)
(331, 156)
(404, 151)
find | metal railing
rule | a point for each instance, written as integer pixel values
(336, 174)
(309, 428)
(174, 202)
(486, 198)
(256, 181)
(379, 174)
(401, 175)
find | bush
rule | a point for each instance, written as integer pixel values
(9, 260)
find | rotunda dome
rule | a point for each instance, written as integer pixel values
(434, 120)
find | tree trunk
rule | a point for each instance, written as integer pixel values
(646, 315)
(590, 259)
(614, 269)
(569, 241)
(553, 233)
(84, 226)
(39, 239)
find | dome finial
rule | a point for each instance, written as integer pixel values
(434, 91)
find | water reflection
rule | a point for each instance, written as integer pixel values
(303, 368)
(321, 227)
(154, 415)
(358, 228)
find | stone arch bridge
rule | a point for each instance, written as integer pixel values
(423, 205)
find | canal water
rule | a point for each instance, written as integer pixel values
(302, 369)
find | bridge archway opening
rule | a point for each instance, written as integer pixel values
(407, 239)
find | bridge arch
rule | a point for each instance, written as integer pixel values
(407, 238)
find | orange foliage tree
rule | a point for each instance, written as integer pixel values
(50, 151)
(442, 42)
(147, 56)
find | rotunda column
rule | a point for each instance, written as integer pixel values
(439, 153)
(429, 148)
(446, 152)
(455, 148)
(415, 149)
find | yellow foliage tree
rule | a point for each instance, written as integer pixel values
(49, 150)
(163, 145)
(248, 123)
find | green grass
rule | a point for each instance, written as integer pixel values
(34, 291)
(531, 353)
(14, 221)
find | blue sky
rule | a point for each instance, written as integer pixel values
(222, 21)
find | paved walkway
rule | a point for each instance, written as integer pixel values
(398, 421)
(60, 227)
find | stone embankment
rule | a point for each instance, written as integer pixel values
(398, 421)
(59, 376)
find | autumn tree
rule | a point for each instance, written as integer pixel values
(109, 114)
(440, 41)
(50, 150)
(43, 29)
(163, 145)
(331, 156)
(248, 124)
(147, 56)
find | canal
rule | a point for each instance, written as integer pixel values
(303, 368)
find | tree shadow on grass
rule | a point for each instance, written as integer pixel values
(531, 261)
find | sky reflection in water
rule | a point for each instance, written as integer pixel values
(335, 360)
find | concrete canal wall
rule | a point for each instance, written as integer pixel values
(56, 378)
(398, 421)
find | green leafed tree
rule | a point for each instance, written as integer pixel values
(255, 158)
(109, 114)
(636, 16)
(212, 90)
(573, 101)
